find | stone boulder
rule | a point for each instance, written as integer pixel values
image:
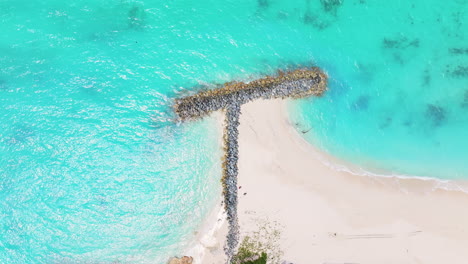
(183, 260)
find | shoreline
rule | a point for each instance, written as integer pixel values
(206, 238)
(273, 167)
(206, 235)
(340, 165)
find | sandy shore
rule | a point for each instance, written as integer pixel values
(335, 217)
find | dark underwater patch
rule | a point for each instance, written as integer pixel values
(399, 43)
(458, 51)
(459, 72)
(436, 114)
(263, 4)
(398, 58)
(458, 18)
(362, 103)
(400, 48)
(408, 123)
(315, 21)
(331, 6)
(321, 19)
(136, 17)
(414, 43)
(386, 123)
(390, 43)
(465, 100)
(426, 78)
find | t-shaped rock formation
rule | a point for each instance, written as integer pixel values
(295, 84)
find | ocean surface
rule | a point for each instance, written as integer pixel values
(93, 168)
(398, 90)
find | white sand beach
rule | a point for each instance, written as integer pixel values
(335, 217)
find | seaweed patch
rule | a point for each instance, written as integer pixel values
(399, 43)
(436, 114)
(331, 6)
(263, 4)
(319, 21)
(458, 51)
(400, 47)
(315, 21)
(459, 72)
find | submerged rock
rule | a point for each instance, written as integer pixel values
(183, 260)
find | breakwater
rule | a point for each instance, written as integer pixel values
(229, 98)
(295, 84)
(231, 150)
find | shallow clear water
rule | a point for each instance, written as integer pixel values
(92, 168)
(398, 97)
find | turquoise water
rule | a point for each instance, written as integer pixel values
(94, 170)
(398, 98)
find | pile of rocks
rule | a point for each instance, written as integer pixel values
(229, 179)
(296, 84)
(183, 260)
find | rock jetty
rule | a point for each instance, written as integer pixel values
(229, 180)
(294, 84)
